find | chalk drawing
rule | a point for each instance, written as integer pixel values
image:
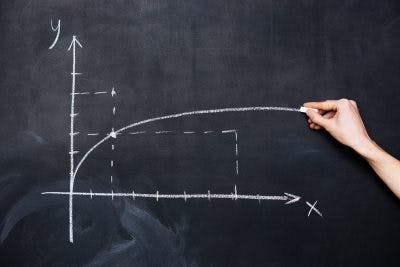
(313, 208)
(57, 29)
(285, 197)
(114, 133)
(74, 168)
(100, 93)
(235, 132)
(73, 45)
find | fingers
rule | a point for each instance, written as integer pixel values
(329, 114)
(317, 119)
(324, 105)
(315, 126)
(326, 115)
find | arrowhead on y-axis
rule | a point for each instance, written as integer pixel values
(74, 42)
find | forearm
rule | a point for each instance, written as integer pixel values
(386, 166)
(342, 120)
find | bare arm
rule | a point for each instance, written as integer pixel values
(343, 121)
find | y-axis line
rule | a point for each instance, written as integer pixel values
(73, 44)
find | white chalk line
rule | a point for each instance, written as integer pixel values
(135, 133)
(228, 131)
(73, 44)
(163, 132)
(92, 93)
(150, 120)
(237, 166)
(58, 29)
(81, 93)
(289, 198)
(188, 132)
(173, 196)
(313, 208)
(112, 131)
(236, 153)
(235, 132)
(179, 115)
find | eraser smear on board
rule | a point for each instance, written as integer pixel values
(304, 109)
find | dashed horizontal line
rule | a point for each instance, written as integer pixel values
(162, 132)
(176, 132)
(81, 93)
(90, 93)
(229, 131)
(140, 132)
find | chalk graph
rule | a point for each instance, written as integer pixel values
(75, 165)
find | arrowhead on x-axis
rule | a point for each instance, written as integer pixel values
(291, 198)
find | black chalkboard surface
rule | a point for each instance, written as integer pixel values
(167, 133)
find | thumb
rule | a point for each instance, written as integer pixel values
(317, 118)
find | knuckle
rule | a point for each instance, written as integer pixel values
(344, 102)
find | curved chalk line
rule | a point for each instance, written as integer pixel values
(178, 115)
(114, 134)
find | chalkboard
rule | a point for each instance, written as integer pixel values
(167, 133)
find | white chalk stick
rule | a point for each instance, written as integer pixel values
(304, 109)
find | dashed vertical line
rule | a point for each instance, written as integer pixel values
(235, 132)
(236, 153)
(113, 93)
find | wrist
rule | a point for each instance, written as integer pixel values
(367, 148)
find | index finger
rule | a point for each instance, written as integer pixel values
(323, 105)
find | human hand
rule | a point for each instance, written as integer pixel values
(342, 120)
